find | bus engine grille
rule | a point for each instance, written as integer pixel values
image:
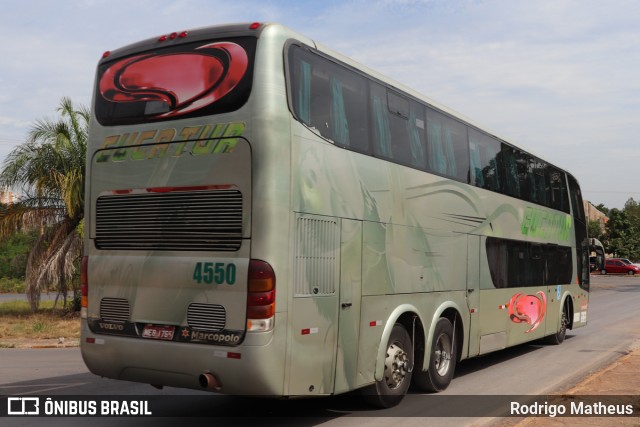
(205, 220)
(207, 317)
(114, 310)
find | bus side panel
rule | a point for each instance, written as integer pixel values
(406, 259)
(350, 298)
(314, 326)
(473, 294)
(554, 309)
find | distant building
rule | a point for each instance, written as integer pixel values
(593, 214)
(8, 197)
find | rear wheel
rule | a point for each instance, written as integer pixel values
(398, 365)
(603, 271)
(442, 362)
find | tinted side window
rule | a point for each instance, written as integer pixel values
(380, 122)
(368, 116)
(558, 197)
(484, 157)
(329, 98)
(580, 224)
(514, 263)
(512, 176)
(397, 127)
(447, 146)
(538, 182)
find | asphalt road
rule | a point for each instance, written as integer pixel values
(49, 296)
(531, 369)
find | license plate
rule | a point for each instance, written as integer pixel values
(158, 332)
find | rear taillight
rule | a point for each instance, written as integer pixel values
(84, 286)
(261, 298)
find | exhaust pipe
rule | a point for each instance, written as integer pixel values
(209, 381)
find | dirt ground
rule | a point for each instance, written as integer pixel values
(39, 343)
(621, 378)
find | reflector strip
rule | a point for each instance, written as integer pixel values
(227, 354)
(375, 323)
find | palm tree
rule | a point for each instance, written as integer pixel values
(49, 169)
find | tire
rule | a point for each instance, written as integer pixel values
(603, 271)
(559, 336)
(631, 272)
(442, 362)
(398, 367)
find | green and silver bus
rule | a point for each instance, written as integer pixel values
(265, 216)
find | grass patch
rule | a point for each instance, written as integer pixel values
(11, 286)
(17, 321)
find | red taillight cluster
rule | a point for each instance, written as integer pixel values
(84, 285)
(261, 297)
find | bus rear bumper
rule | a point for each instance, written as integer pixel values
(256, 367)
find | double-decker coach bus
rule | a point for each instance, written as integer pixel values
(268, 217)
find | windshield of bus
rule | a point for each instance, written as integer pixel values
(180, 81)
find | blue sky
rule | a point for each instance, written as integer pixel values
(557, 77)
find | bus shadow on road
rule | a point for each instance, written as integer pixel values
(475, 364)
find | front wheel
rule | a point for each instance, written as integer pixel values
(559, 336)
(398, 366)
(603, 271)
(442, 362)
(631, 272)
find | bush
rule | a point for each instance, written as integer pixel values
(11, 286)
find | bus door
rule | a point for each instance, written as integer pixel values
(314, 311)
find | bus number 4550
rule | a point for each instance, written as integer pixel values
(214, 273)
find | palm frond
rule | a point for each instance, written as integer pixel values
(49, 168)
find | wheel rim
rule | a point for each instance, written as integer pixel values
(443, 354)
(396, 366)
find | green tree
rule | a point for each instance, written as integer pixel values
(13, 255)
(632, 209)
(49, 169)
(602, 208)
(593, 230)
(622, 237)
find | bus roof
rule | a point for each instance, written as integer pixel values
(257, 28)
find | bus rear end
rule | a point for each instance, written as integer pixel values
(171, 295)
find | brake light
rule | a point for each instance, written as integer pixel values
(84, 286)
(261, 296)
(173, 36)
(254, 26)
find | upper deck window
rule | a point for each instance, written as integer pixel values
(187, 80)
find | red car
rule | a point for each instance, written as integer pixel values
(619, 266)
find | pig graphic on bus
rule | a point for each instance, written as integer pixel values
(529, 309)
